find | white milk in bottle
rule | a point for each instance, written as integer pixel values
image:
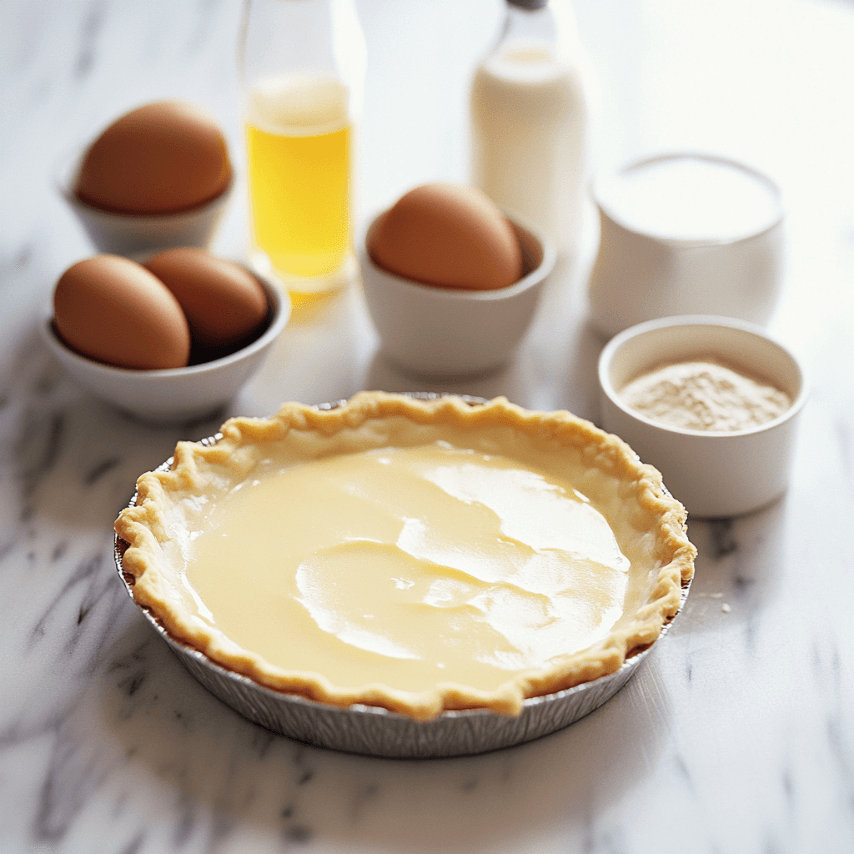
(530, 120)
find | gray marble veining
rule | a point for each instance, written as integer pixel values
(737, 736)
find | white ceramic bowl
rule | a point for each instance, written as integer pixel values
(447, 332)
(176, 394)
(714, 474)
(686, 233)
(138, 236)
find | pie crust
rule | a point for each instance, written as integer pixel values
(419, 555)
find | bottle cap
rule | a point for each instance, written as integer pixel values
(528, 4)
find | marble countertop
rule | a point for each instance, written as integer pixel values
(737, 735)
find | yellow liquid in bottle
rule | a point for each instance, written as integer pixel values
(298, 148)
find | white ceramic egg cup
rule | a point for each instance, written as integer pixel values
(450, 332)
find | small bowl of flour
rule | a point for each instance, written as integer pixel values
(712, 403)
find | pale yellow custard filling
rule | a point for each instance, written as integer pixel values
(409, 566)
(420, 556)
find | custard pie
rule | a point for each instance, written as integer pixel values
(416, 555)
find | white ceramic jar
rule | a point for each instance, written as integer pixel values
(686, 233)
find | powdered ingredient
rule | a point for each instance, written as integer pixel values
(704, 395)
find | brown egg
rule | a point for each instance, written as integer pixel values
(448, 235)
(224, 303)
(163, 157)
(113, 310)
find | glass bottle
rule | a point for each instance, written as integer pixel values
(530, 119)
(302, 66)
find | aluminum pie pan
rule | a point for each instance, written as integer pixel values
(375, 731)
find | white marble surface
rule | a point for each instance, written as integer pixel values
(736, 736)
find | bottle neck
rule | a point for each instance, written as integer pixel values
(547, 29)
(320, 37)
(529, 23)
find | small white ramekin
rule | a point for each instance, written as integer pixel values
(714, 474)
(173, 395)
(449, 332)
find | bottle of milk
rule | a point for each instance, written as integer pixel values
(530, 120)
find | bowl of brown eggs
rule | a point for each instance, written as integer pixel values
(169, 340)
(452, 282)
(158, 176)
